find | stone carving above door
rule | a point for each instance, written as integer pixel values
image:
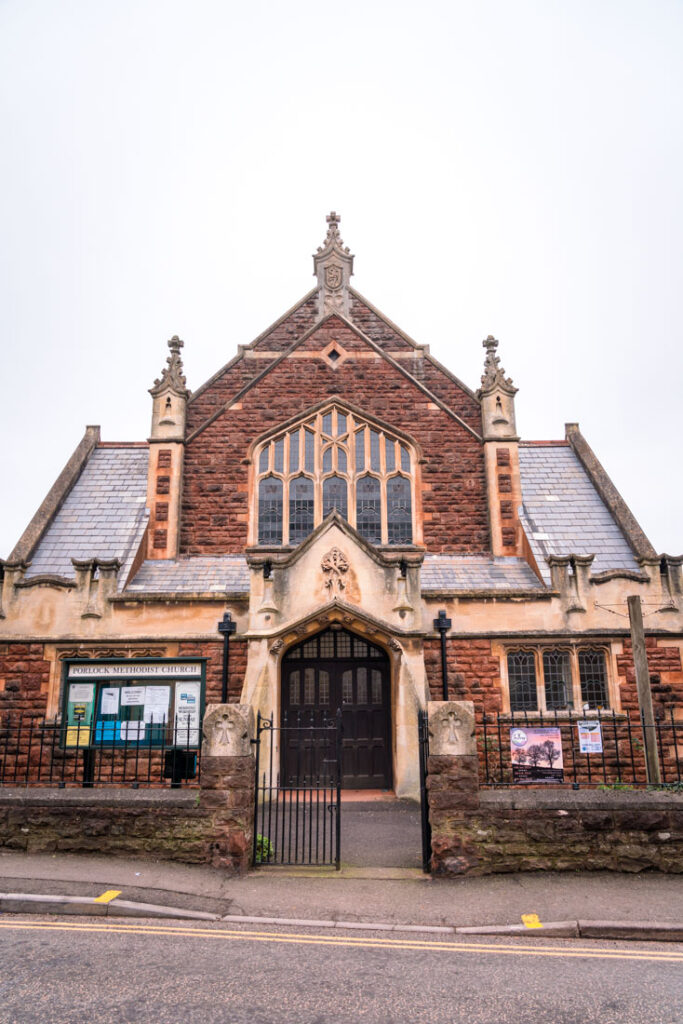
(335, 566)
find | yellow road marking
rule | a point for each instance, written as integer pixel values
(350, 942)
(531, 921)
(108, 896)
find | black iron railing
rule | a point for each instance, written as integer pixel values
(297, 816)
(34, 752)
(610, 750)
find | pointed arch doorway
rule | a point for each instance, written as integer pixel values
(334, 670)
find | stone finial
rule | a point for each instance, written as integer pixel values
(333, 266)
(172, 376)
(451, 727)
(497, 397)
(227, 730)
(494, 374)
(169, 398)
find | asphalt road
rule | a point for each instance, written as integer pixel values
(73, 970)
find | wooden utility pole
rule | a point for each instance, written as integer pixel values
(647, 718)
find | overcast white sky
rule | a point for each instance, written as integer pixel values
(513, 168)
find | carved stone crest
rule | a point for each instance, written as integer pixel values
(277, 645)
(227, 730)
(451, 727)
(333, 276)
(335, 566)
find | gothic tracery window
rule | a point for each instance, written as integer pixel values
(333, 461)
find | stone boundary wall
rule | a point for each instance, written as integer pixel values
(559, 831)
(496, 831)
(175, 825)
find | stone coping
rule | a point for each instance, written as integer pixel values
(582, 799)
(41, 796)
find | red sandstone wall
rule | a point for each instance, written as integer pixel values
(664, 661)
(213, 650)
(24, 679)
(473, 672)
(214, 518)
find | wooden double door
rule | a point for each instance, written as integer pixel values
(338, 670)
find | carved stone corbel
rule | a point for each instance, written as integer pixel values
(570, 576)
(88, 586)
(12, 574)
(108, 573)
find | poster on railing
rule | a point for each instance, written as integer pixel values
(590, 737)
(536, 754)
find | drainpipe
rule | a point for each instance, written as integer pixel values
(226, 626)
(442, 624)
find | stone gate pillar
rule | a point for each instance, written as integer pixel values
(227, 784)
(452, 782)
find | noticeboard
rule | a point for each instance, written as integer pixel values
(111, 704)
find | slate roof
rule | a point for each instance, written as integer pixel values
(198, 574)
(563, 514)
(477, 572)
(103, 516)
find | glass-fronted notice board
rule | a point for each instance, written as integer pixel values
(133, 703)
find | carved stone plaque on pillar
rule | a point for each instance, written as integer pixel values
(227, 730)
(451, 727)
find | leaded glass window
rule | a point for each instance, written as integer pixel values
(333, 460)
(593, 676)
(369, 509)
(335, 496)
(301, 509)
(270, 511)
(399, 515)
(522, 681)
(557, 677)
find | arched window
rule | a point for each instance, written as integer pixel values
(270, 510)
(335, 496)
(369, 509)
(301, 508)
(399, 515)
(334, 461)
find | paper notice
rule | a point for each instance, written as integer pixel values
(187, 700)
(157, 699)
(132, 695)
(132, 731)
(81, 692)
(590, 737)
(109, 701)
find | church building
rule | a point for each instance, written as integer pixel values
(368, 531)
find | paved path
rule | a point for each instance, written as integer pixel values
(382, 833)
(499, 899)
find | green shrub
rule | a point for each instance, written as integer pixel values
(264, 849)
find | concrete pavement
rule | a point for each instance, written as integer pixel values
(356, 895)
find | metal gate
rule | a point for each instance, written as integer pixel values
(297, 817)
(423, 746)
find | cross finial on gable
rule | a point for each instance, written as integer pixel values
(494, 374)
(333, 266)
(172, 374)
